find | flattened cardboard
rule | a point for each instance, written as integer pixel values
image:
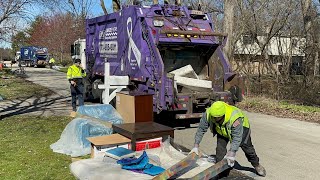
(112, 139)
(100, 144)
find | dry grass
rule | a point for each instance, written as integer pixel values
(281, 109)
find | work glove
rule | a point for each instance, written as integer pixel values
(194, 150)
(231, 158)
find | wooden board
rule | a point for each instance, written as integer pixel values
(112, 139)
(188, 161)
(212, 171)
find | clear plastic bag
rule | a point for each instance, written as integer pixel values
(104, 112)
(73, 140)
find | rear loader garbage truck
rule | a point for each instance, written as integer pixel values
(166, 50)
(33, 56)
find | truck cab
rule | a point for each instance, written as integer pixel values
(33, 56)
(78, 51)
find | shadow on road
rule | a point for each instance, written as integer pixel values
(37, 106)
(238, 166)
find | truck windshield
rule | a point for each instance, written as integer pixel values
(175, 59)
(76, 50)
(42, 57)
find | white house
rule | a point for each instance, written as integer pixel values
(277, 49)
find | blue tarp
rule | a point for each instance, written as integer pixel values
(73, 140)
(105, 112)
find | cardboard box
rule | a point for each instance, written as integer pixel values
(135, 107)
(100, 144)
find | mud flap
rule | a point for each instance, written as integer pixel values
(236, 93)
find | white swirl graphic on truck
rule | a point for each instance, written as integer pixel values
(132, 45)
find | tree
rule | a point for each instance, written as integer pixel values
(57, 33)
(5, 54)
(289, 24)
(10, 12)
(262, 21)
(79, 8)
(38, 31)
(115, 5)
(229, 7)
(103, 7)
(19, 40)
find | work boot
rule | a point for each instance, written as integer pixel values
(73, 114)
(261, 171)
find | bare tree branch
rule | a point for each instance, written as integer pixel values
(103, 7)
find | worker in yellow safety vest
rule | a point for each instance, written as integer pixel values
(75, 76)
(51, 62)
(229, 123)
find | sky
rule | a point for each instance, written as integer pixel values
(37, 10)
(96, 11)
(34, 10)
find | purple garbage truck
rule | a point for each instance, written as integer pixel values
(166, 50)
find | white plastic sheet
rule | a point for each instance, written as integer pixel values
(107, 169)
(73, 140)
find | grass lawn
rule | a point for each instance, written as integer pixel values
(12, 87)
(63, 69)
(25, 148)
(281, 108)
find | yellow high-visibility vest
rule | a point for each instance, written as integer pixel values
(232, 114)
(75, 72)
(52, 60)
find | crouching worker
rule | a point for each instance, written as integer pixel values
(229, 124)
(75, 76)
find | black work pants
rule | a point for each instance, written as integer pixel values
(246, 146)
(77, 92)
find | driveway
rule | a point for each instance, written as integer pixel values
(57, 104)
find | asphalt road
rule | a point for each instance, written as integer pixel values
(57, 104)
(288, 148)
